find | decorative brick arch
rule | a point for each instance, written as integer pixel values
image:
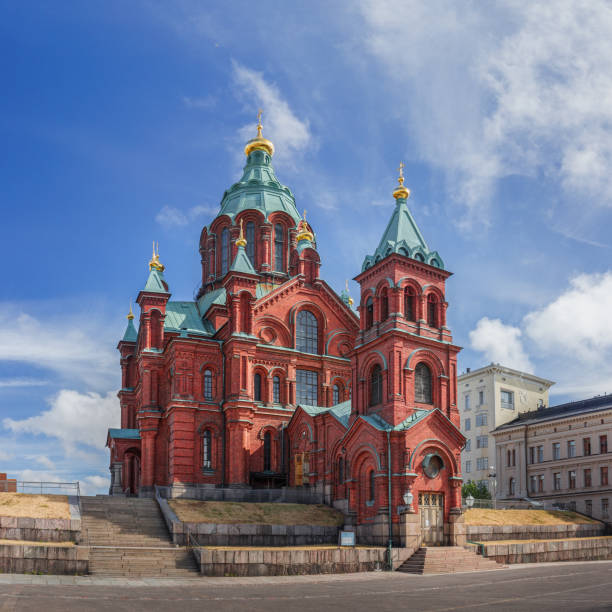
(424, 447)
(273, 330)
(429, 357)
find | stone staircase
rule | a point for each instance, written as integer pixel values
(127, 536)
(446, 559)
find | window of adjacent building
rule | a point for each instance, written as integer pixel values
(410, 304)
(556, 450)
(207, 449)
(484, 483)
(482, 441)
(467, 424)
(588, 507)
(307, 332)
(533, 483)
(507, 400)
(605, 507)
(375, 385)
(540, 453)
(257, 388)
(384, 304)
(432, 310)
(208, 390)
(571, 448)
(224, 250)
(467, 402)
(511, 487)
(307, 386)
(481, 398)
(369, 313)
(267, 448)
(279, 248)
(336, 395)
(532, 454)
(557, 481)
(603, 444)
(587, 478)
(509, 458)
(482, 463)
(541, 483)
(572, 506)
(481, 419)
(468, 466)
(571, 479)
(586, 446)
(422, 384)
(468, 445)
(603, 474)
(372, 486)
(276, 390)
(250, 238)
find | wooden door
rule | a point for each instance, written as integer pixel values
(431, 507)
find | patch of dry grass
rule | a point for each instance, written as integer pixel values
(193, 511)
(484, 516)
(24, 505)
(28, 543)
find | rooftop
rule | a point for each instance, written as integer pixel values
(502, 369)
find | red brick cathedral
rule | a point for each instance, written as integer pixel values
(271, 379)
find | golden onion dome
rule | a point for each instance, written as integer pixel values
(304, 231)
(241, 241)
(259, 143)
(155, 264)
(401, 192)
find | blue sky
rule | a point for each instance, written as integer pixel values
(123, 123)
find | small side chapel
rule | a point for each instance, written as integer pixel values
(269, 378)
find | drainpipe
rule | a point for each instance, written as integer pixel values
(390, 543)
(526, 457)
(224, 435)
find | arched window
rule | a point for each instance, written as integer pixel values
(376, 386)
(419, 257)
(267, 451)
(224, 250)
(410, 304)
(511, 487)
(207, 449)
(514, 456)
(384, 305)
(307, 335)
(369, 313)
(432, 310)
(422, 384)
(340, 470)
(372, 487)
(156, 329)
(250, 238)
(276, 391)
(208, 385)
(336, 395)
(509, 462)
(279, 248)
(257, 388)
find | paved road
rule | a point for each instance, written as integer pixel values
(556, 587)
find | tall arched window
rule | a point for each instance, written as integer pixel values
(224, 250)
(307, 335)
(384, 304)
(340, 470)
(250, 238)
(372, 487)
(369, 313)
(267, 451)
(279, 248)
(156, 329)
(410, 304)
(207, 449)
(208, 385)
(336, 395)
(376, 386)
(276, 390)
(511, 487)
(432, 310)
(422, 384)
(509, 462)
(257, 388)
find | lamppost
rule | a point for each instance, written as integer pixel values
(469, 500)
(492, 477)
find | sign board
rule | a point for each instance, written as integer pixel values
(346, 538)
(299, 470)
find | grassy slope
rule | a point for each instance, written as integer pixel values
(34, 506)
(191, 511)
(482, 516)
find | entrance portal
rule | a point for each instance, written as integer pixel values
(431, 507)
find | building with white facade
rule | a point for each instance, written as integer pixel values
(487, 398)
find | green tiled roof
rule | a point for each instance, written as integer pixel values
(402, 236)
(242, 263)
(124, 434)
(156, 282)
(184, 316)
(379, 423)
(217, 296)
(341, 411)
(131, 335)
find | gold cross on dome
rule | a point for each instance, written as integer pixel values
(259, 126)
(400, 180)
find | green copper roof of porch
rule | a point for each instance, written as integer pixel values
(341, 411)
(184, 317)
(124, 434)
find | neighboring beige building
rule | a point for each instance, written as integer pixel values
(487, 398)
(560, 455)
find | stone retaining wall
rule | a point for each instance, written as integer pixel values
(296, 562)
(583, 549)
(21, 559)
(39, 530)
(487, 533)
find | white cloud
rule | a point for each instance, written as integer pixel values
(74, 418)
(500, 343)
(42, 460)
(281, 126)
(22, 382)
(4, 456)
(92, 485)
(170, 216)
(500, 89)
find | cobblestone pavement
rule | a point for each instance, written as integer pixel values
(543, 587)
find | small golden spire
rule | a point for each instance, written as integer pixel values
(130, 315)
(259, 142)
(241, 242)
(303, 230)
(401, 192)
(155, 264)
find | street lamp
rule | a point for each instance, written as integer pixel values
(492, 476)
(469, 500)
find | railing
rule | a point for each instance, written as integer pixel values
(49, 488)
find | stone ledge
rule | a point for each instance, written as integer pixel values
(21, 559)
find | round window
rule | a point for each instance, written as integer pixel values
(432, 464)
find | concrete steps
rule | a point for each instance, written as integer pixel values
(445, 560)
(142, 562)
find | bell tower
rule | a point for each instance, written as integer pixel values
(404, 360)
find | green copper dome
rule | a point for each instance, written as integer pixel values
(259, 189)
